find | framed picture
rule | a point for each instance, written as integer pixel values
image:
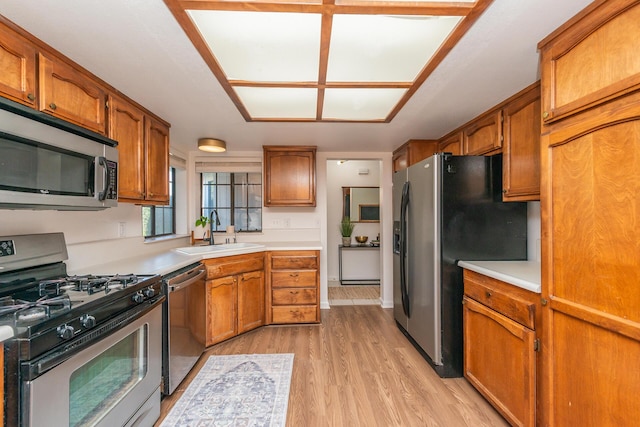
(369, 213)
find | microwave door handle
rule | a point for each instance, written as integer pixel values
(102, 161)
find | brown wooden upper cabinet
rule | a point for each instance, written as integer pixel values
(451, 144)
(413, 151)
(18, 76)
(143, 148)
(566, 91)
(483, 135)
(521, 151)
(70, 95)
(290, 175)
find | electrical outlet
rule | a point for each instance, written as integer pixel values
(287, 222)
(122, 229)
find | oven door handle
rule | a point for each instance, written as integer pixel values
(41, 365)
(185, 279)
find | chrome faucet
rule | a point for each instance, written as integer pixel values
(213, 212)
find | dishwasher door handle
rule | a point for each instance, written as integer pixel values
(189, 280)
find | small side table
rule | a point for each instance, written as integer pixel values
(364, 257)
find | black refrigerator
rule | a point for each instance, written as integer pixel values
(445, 209)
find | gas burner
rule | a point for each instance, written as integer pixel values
(20, 312)
(92, 284)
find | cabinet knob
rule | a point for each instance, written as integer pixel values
(545, 115)
(53, 106)
(31, 97)
(488, 294)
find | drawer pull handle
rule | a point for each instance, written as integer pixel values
(293, 275)
(488, 294)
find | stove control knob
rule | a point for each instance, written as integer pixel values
(138, 297)
(149, 292)
(88, 321)
(65, 332)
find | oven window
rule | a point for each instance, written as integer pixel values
(101, 383)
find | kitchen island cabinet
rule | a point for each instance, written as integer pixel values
(293, 287)
(500, 345)
(235, 295)
(590, 207)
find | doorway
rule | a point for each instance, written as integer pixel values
(352, 175)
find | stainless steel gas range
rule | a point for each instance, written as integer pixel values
(87, 349)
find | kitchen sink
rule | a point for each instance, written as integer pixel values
(220, 249)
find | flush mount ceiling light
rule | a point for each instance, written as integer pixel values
(212, 145)
(324, 60)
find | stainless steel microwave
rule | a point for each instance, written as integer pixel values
(46, 167)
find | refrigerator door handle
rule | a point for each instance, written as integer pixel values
(404, 205)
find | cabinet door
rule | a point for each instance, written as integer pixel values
(290, 176)
(593, 60)
(157, 162)
(126, 125)
(484, 135)
(499, 361)
(521, 151)
(451, 144)
(18, 64)
(250, 301)
(70, 95)
(222, 297)
(591, 218)
(400, 158)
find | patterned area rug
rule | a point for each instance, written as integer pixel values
(247, 390)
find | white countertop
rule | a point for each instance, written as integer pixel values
(172, 260)
(524, 274)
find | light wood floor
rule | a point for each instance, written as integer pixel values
(357, 369)
(354, 295)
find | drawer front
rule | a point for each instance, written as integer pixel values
(228, 266)
(294, 296)
(294, 261)
(296, 279)
(492, 293)
(295, 314)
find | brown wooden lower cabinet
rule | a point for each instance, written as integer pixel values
(293, 280)
(500, 345)
(235, 296)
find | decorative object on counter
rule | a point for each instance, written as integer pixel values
(346, 228)
(243, 389)
(231, 230)
(202, 222)
(362, 240)
(212, 145)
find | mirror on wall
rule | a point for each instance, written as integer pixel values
(361, 204)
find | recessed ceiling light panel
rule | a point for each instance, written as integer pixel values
(262, 46)
(378, 48)
(360, 104)
(269, 102)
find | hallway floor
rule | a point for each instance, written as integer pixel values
(353, 294)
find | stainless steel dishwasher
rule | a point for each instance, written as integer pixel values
(184, 324)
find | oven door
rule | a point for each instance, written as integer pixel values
(114, 382)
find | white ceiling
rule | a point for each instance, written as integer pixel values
(138, 47)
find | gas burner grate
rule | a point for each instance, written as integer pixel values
(92, 284)
(19, 312)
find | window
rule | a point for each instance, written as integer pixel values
(161, 220)
(236, 197)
